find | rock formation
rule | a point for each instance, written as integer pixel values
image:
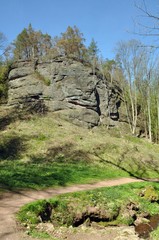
(64, 85)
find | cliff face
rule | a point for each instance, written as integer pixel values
(63, 85)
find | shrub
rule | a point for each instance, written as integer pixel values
(41, 77)
(4, 69)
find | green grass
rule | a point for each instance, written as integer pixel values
(41, 235)
(155, 234)
(46, 151)
(16, 174)
(114, 202)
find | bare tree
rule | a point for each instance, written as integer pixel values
(147, 23)
(131, 58)
(148, 26)
(2, 43)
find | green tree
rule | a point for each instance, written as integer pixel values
(93, 50)
(152, 98)
(109, 68)
(21, 44)
(4, 69)
(31, 44)
(71, 43)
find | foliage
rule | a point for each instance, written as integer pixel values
(4, 69)
(34, 210)
(108, 68)
(135, 70)
(92, 52)
(150, 194)
(132, 59)
(139, 84)
(31, 44)
(41, 77)
(71, 43)
(155, 234)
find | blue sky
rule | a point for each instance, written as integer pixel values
(107, 21)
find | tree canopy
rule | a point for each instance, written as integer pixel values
(93, 49)
(31, 44)
(71, 43)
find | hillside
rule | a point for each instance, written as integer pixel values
(44, 151)
(41, 151)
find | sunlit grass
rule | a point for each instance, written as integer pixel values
(155, 234)
(16, 174)
(114, 201)
(45, 151)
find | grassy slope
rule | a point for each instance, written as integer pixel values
(47, 151)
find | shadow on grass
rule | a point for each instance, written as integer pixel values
(134, 167)
(6, 119)
(58, 167)
(63, 165)
(11, 147)
(38, 176)
(34, 176)
(66, 153)
(9, 116)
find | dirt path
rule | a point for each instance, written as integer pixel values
(10, 203)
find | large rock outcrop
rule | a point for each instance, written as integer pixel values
(64, 85)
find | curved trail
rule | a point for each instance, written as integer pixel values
(10, 203)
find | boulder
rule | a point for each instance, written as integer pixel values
(20, 72)
(82, 117)
(64, 85)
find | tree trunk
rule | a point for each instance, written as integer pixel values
(157, 117)
(132, 110)
(149, 114)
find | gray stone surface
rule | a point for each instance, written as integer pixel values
(73, 87)
(82, 116)
(20, 72)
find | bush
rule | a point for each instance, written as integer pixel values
(42, 78)
(4, 70)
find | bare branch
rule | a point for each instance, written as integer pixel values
(2, 40)
(150, 29)
(146, 12)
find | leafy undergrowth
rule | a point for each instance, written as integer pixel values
(155, 234)
(45, 151)
(120, 205)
